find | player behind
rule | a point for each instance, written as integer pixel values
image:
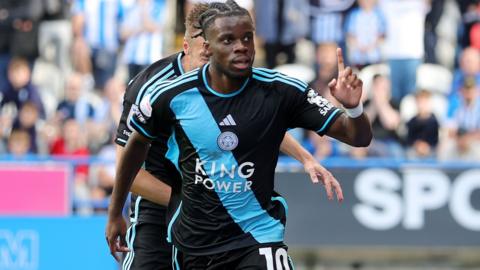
(146, 237)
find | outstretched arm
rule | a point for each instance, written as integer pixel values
(353, 127)
(128, 166)
(292, 148)
(148, 186)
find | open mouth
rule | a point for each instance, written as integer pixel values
(241, 63)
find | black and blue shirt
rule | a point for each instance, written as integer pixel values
(156, 163)
(226, 147)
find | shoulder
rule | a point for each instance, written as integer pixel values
(277, 79)
(161, 70)
(175, 86)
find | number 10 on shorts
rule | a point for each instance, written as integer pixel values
(281, 258)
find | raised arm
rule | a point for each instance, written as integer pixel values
(127, 168)
(353, 127)
(291, 147)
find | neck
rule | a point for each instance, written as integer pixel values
(221, 82)
(185, 61)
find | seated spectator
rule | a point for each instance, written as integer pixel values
(463, 126)
(19, 143)
(27, 120)
(364, 43)
(107, 114)
(75, 105)
(72, 144)
(19, 88)
(385, 118)
(422, 129)
(469, 66)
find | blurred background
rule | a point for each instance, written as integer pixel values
(412, 196)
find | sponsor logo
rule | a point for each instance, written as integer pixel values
(227, 141)
(224, 175)
(388, 200)
(228, 121)
(314, 98)
(19, 250)
(136, 111)
(146, 107)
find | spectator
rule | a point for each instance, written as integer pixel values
(469, 66)
(432, 20)
(96, 34)
(463, 126)
(107, 114)
(75, 105)
(422, 129)
(279, 25)
(72, 144)
(19, 87)
(327, 23)
(27, 120)
(143, 33)
(385, 118)
(404, 43)
(365, 29)
(19, 143)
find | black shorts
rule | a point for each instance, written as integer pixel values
(271, 256)
(148, 246)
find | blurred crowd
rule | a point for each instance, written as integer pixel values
(64, 66)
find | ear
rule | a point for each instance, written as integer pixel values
(207, 49)
(186, 47)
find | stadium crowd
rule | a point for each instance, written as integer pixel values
(64, 65)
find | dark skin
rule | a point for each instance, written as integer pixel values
(231, 50)
(229, 43)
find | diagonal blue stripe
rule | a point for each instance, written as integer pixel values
(173, 153)
(243, 207)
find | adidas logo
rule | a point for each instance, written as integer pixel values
(228, 121)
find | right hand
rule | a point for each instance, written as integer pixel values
(115, 235)
(347, 88)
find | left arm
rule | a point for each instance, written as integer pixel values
(292, 148)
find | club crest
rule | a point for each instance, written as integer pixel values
(227, 141)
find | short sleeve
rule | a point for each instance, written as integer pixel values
(124, 129)
(310, 110)
(151, 116)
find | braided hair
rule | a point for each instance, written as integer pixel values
(219, 10)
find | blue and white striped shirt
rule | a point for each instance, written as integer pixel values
(146, 47)
(102, 21)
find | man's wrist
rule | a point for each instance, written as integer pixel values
(354, 112)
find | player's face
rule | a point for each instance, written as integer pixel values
(195, 50)
(231, 45)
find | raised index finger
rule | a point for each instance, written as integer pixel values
(341, 64)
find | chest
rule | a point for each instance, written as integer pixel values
(245, 122)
